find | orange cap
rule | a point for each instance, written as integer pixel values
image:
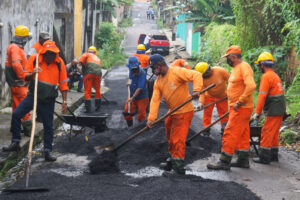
(49, 46)
(234, 49)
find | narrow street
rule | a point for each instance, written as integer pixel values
(138, 176)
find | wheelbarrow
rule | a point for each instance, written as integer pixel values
(98, 122)
(255, 132)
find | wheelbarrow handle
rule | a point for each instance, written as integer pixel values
(203, 130)
(161, 118)
(72, 113)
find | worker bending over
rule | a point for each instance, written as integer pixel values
(91, 69)
(52, 75)
(138, 92)
(172, 85)
(179, 62)
(43, 37)
(236, 135)
(218, 76)
(14, 72)
(271, 100)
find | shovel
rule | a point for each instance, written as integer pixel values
(29, 156)
(111, 147)
(128, 97)
(206, 106)
(205, 129)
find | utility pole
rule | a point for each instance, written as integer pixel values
(173, 23)
(77, 28)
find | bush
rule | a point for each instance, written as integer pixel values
(288, 136)
(126, 22)
(216, 40)
(108, 40)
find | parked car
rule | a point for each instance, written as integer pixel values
(158, 43)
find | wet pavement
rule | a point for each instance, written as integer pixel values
(138, 176)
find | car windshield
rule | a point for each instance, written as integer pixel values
(159, 37)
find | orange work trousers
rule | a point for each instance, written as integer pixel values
(89, 81)
(270, 131)
(177, 128)
(222, 108)
(237, 131)
(141, 106)
(18, 94)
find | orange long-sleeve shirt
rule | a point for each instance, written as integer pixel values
(270, 85)
(180, 63)
(50, 73)
(173, 87)
(16, 59)
(219, 77)
(143, 59)
(241, 85)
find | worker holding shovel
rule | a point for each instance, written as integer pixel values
(51, 76)
(137, 93)
(236, 135)
(172, 85)
(219, 76)
(271, 100)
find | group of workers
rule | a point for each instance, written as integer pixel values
(236, 98)
(171, 85)
(43, 59)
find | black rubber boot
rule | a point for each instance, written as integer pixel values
(87, 104)
(222, 164)
(97, 105)
(129, 123)
(27, 126)
(177, 167)
(264, 156)
(274, 154)
(14, 146)
(223, 128)
(167, 166)
(49, 157)
(242, 160)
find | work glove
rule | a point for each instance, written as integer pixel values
(199, 107)
(254, 117)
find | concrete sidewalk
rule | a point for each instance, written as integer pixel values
(74, 100)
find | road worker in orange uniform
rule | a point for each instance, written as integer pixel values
(271, 100)
(141, 55)
(219, 76)
(52, 76)
(43, 37)
(172, 85)
(179, 62)
(91, 68)
(14, 72)
(236, 135)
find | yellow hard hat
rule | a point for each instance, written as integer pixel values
(201, 67)
(21, 31)
(141, 47)
(92, 49)
(265, 56)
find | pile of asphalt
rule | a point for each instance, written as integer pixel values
(111, 177)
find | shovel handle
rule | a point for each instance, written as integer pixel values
(206, 106)
(161, 118)
(203, 130)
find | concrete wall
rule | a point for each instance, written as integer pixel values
(35, 14)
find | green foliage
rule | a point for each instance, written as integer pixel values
(207, 11)
(160, 23)
(126, 22)
(288, 136)
(266, 22)
(108, 39)
(216, 40)
(293, 96)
